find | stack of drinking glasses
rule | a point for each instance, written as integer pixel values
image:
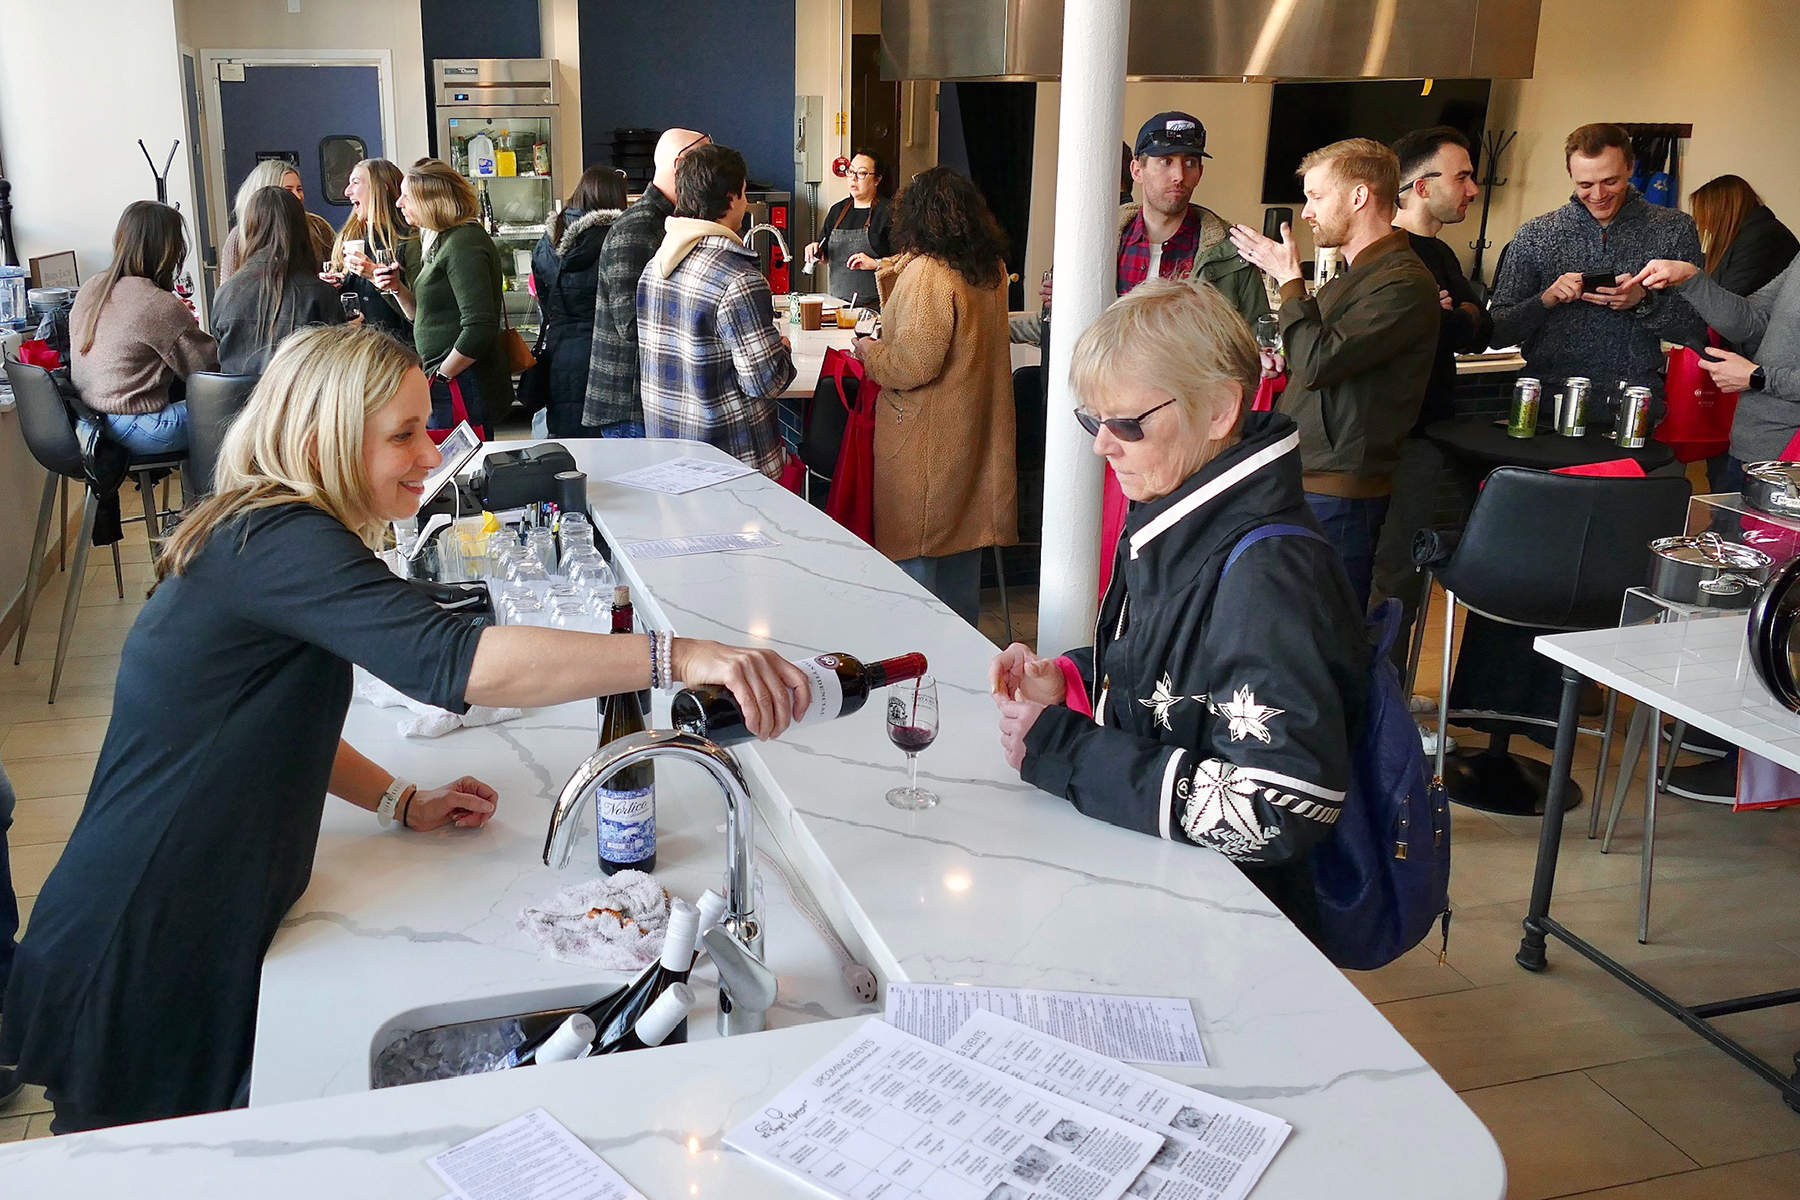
(531, 585)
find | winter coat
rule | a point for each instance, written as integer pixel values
(946, 469)
(564, 276)
(1579, 338)
(1224, 709)
(243, 328)
(1762, 250)
(612, 388)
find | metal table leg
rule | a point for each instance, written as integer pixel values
(1531, 946)
(1634, 747)
(1647, 854)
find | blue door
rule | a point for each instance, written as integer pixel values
(290, 112)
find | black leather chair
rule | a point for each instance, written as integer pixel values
(1545, 551)
(49, 430)
(214, 401)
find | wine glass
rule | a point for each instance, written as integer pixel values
(912, 725)
(1268, 332)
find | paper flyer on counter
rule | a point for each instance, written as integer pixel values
(1212, 1149)
(533, 1157)
(890, 1115)
(679, 476)
(700, 543)
(1139, 1029)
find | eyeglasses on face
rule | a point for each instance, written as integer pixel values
(855, 174)
(1126, 429)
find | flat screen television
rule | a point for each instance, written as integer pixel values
(1306, 116)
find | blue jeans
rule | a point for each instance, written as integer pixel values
(623, 429)
(1353, 527)
(953, 578)
(162, 432)
(9, 903)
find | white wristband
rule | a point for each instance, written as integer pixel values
(390, 800)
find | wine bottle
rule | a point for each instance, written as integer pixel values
(533, 1049)
(625, 806)
(677, 960)
(658, 1022)
(841, 684)
(571, 1040)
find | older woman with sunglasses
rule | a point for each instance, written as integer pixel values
(1218, 703)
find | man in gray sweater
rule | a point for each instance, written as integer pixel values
(1606, 333)
(1766, 324)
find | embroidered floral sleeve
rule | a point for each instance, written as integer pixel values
(1228, 807)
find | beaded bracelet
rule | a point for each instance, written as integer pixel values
(666, 641)
(655, 664)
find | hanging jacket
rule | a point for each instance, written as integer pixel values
(565, 276)
(1224, 711)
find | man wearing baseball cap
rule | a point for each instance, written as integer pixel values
(1168, 236)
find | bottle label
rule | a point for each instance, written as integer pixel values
(827, 689)
(625, 823)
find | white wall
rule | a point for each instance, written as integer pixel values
(561, 35)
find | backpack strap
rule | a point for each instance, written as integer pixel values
(1265, 531)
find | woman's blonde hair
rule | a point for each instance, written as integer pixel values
(299, 439)
(1172, 336)
(442, 198)
(381, 180)
(267, 173)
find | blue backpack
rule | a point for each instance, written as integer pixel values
(1383, 878)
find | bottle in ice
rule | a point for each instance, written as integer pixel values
(657, 1025)
(677, 960)
(566, 1040)
(841, 684)
(625, 805)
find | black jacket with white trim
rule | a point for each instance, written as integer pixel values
(1225, 709)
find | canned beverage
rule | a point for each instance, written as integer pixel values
(1527, 392)
(1572, 406)
(1633, 429)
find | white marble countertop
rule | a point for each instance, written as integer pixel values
(1001, 885)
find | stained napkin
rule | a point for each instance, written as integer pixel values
(428, 721)
(615, 922)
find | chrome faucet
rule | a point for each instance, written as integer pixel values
(741, 921)
(779, 240)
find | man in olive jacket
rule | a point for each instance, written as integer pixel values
(1168, 236)
(1359, 354)
(614, 406)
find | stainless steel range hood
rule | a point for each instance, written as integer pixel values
(1223, 39)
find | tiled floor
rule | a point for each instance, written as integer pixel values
(1589, 1090)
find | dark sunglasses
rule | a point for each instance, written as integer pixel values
(1126, 429)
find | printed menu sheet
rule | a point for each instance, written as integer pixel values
(1212, 1149)
(888, 1116)
(700, 543)
(533, 1157)
(682, 475)
(1140, 1029)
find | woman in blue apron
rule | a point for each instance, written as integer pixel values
(857, 232)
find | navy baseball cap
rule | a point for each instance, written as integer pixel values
(1171, 133)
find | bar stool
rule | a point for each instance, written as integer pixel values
(214, 401)
(1553, 552)
(49, 431)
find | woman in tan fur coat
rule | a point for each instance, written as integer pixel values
(946, 476)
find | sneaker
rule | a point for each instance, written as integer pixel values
(1421, 704)
(1428, 739)
(1713, 781)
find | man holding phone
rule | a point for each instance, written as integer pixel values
(1566, 294)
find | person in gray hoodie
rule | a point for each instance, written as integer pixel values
(1766, 324)
(1610, 333)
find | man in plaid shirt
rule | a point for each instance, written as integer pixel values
(710, 361)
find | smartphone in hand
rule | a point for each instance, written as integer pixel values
(1274, 219)
(1593, 281)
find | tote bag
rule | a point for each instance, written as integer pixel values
(851, 501)
(1697, 420)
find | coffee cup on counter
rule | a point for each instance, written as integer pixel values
(812, 312)
(847, 317)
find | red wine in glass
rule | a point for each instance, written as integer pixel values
(912, 725)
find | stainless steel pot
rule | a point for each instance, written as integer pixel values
(1728, 592)
(1679, 565)
(1773, 487)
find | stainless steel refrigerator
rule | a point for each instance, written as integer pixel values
(497, 124)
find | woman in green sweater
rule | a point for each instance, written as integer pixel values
(454, 301)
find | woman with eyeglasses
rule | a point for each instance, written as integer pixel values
(858, 232)
(1218, 704)
(946, 476)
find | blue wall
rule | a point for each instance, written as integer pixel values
(291, 108)
(475, 29)
(724, 69)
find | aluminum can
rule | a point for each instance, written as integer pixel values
(1633, 429)
(1527, 392)
(1572, 406)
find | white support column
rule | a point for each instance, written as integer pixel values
(1086, 260)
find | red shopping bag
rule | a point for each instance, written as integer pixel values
(851, 501)
(1696, 422)
(459, 412)
(37, 352)
(1268, 390)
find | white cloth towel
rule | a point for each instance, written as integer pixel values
(431, 721)
(615, 922)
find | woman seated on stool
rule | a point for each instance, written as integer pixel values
(276, 291)
(133, 337)
(1217, 708)
(133, 996)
